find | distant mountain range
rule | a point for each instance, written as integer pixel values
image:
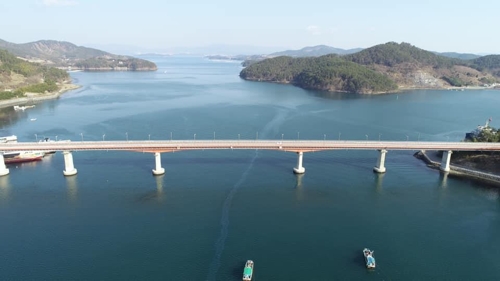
(315, 51)
(458, 55)
(240, 52)
(68, 55)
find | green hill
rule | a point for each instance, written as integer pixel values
(328, 73)
(65, 54)
(377, 69)
(17, 77)
(491, 62)
(392, 54)
(412, 67)
(56, 51)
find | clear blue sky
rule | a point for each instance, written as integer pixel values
(439, 25)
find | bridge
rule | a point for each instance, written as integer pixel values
(297, 146)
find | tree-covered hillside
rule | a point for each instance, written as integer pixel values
(56, 51)
(491, 62)
(65, 54)
(392, 54)
(329, 73)
(378, 69)
(18, 77)
(115, 63)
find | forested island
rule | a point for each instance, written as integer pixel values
(113, 63)
(380, 69)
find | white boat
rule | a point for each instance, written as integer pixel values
(7, 139)
(248, 271)
(369, 259)
(33, 119)
(24, 107)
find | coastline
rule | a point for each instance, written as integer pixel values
(35, 97)
(462, 172)
(400, 89)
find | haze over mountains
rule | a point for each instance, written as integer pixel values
(53, 51)
(212, 49)
(317, 51)
(66, 54)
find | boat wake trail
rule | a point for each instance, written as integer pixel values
(224, 221)
(219, 246)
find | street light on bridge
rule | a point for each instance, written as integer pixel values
(339, 135)
(81, 134)
(238, 136)
(194, 137)
(407, 137)
(36, 137)
(56, 138)
(282, 137)
(379, 134)
(103, 137)
(149, 136)
(366, 137)
(324, 137)
(298, 135)
(126, 135)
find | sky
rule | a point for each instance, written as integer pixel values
(257, 26)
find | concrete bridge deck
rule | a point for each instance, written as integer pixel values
(297, 146)
(285, 145)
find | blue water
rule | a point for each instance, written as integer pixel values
(213, 210)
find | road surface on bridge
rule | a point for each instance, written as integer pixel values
(285, 145)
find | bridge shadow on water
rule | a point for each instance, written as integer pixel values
(156, 195)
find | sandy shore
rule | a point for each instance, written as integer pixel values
(34, 97)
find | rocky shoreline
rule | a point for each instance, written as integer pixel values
(467, 171)
(34, 97)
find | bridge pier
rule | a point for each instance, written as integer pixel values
(445, 161)
(158, 170)
(299, 169)
(380, 168)
(3, 169)
(69, 168)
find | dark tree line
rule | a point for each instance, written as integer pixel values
(331, 73)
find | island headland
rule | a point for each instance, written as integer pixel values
(37, 71)
(66, 55)
(380, 69)
(477, 165)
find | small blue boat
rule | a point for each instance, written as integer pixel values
(369, 259)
